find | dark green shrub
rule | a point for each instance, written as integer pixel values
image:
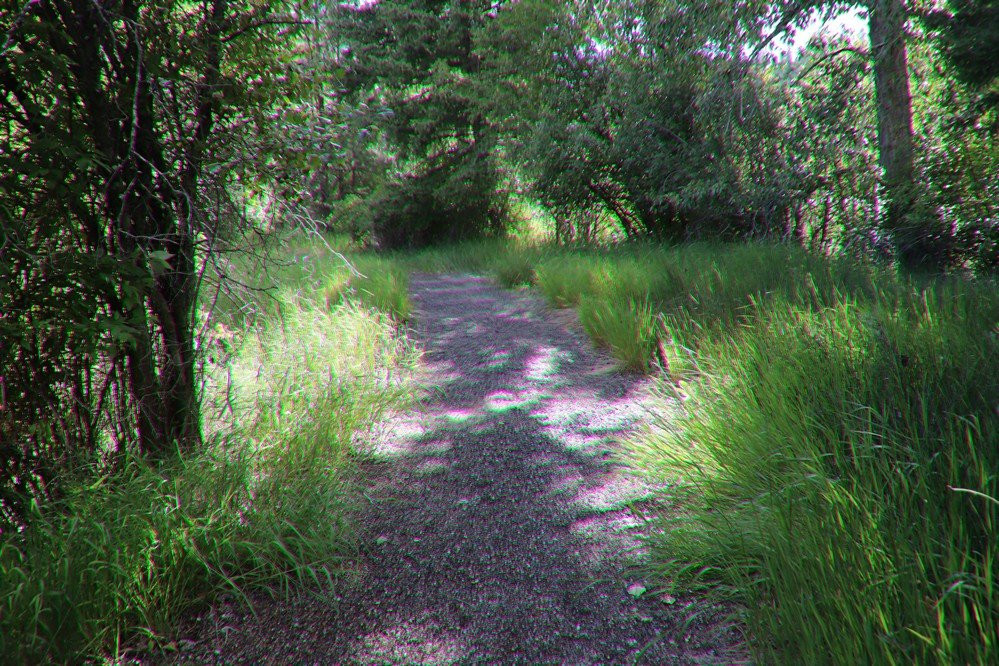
(438, 208)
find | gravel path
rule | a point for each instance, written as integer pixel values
(499, 528)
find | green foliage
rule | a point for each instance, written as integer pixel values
(643, 124)
(383, 286)
(839, 445)
(836, 432)
(968, 31)
(564, 281)
(132, 554)
(415, 64)
(625, 327)
(836, 402)
(665, 119)
(437, 208)
(121, 129)
(957, 149)
(516, 271)
(126, 554)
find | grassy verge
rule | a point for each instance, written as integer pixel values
(837, 449)
(294, 375)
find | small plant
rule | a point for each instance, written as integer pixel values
(626, 327)
(515, 271)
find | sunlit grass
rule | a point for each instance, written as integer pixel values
(830, 443)
(624, 326)
(384, 286)
(315, 359)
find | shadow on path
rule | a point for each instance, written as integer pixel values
(498, 530)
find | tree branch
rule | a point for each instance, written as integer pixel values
(260, 24)
(857, 50)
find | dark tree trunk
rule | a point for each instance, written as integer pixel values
(144, 216)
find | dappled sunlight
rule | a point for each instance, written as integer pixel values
(431, 642)
(509, 516)
(516, 314)
(502, 401)
(497, 360)
(436, 447)
(585, 423)
(612, 495)
(608, 537)
(544, 364)
(461, 415)
(399, 438)
(430, 466)
(565, 485)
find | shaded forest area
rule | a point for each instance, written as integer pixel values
(154, 156)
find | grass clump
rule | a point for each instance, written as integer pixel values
(564, 280)
(845, 469)
(384, 286)
(837, 449)
(515, 271)
(625, 327)
(127, 557)
(294, 378)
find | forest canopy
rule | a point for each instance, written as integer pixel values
(672, 120)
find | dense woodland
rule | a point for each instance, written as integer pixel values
(154, 152)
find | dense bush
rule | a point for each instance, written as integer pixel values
(112, 202)
(437, 208)
(294, 375)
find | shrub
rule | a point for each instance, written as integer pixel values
(419, 211)
(128, 551)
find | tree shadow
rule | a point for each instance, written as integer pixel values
(499, 529)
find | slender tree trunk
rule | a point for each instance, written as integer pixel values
(916, 234)
(891, 83)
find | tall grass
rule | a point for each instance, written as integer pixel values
(267, 502)
(837, 454)
(844, 471)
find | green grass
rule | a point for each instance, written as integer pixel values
(837, 452)
(267, 503)
(830, 442)
(625, 326)
(384, 286)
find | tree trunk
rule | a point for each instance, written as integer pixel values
(916, 234)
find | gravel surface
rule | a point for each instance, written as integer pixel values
(499, 528)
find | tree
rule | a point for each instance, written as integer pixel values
(638, 111)
(921, 240)
(919, 236)
(417, 63)
(118, 126)
(968, 32)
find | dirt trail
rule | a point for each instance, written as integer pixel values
(499, 530)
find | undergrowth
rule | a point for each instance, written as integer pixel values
(293, 376)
